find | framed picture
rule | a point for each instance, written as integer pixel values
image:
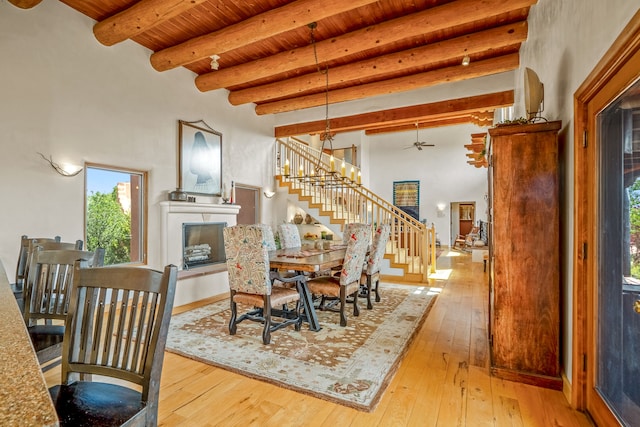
(199, 158)
(406, 196)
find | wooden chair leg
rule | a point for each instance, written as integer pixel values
(234, 314)
(356, 309)
(266, 312)
(369, 305)
(343, 302)
(376, 290)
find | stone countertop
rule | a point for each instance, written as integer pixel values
(24, 397)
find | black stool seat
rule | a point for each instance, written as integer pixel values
(95, 404)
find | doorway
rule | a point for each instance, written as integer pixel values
(606, 353)
(463, 218)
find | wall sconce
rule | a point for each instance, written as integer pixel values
(269, 194)
(440, 206)
(466, 60)
(64, 169)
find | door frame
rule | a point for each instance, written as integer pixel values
(618, 68)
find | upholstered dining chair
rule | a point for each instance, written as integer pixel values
(251, 282)
(289, 236)
(47, 294)
(116, 327)
(348, 282)
(267, 235)
(371, 271)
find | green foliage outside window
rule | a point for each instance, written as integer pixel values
(108, 227)
(634, 218)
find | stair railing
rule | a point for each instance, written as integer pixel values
(337, 194)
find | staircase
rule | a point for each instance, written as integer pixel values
(337, 198)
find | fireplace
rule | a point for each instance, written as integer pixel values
(202, 244)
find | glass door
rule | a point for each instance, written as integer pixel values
(617, 323)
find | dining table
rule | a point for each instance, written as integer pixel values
(308, 259)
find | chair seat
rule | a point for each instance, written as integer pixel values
(330, 285)
(95, 404)
(279, 296)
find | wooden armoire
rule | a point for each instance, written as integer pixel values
(524, 260)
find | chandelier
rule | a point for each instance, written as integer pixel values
(319, 175)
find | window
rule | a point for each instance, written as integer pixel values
(115, 213)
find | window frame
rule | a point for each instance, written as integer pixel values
(144, 211)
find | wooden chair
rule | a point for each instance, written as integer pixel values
(116, 327)
(43, 244)
(371, 271)
(465, 241)
(21, 267)
(251, 282)
(348, 282)
(289, 236)
(47, 297)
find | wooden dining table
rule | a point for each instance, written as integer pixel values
(308, 259)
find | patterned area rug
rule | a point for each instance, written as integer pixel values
(350, 366)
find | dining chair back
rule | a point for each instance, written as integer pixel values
(289, 236)
(347, 282)
(23, 257)
(48, 289)
(116, 327)
(250, 281)
(371, 273)
(268, 237)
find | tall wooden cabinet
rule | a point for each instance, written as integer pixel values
(524, 254)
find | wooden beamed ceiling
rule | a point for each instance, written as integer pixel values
(363, 48)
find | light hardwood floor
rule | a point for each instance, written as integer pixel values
(443, 380)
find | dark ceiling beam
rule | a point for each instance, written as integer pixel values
(402, 115)
(401, 84)
(138, 18)
(256, 28)
(418, 24)
(470, 44)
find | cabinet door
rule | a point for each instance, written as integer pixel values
(525, 281)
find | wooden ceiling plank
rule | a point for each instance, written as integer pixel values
(256, 28)
(470, 44)
(139, 18)
(426, 22)
(400, 115)
(416, 81)
(25, 4)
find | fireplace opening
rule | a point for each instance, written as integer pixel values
(202, 244)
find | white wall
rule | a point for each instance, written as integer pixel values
(66, 95)
(443, 171)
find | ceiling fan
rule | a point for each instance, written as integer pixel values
(419, 144)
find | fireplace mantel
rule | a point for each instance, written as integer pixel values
(198, 283)
(174, 214)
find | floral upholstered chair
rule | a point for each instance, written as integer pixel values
(371, 271)
(289, 236)
(250, 282)
(267, 235)
(348, 282)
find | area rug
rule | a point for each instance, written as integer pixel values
(349, 365)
